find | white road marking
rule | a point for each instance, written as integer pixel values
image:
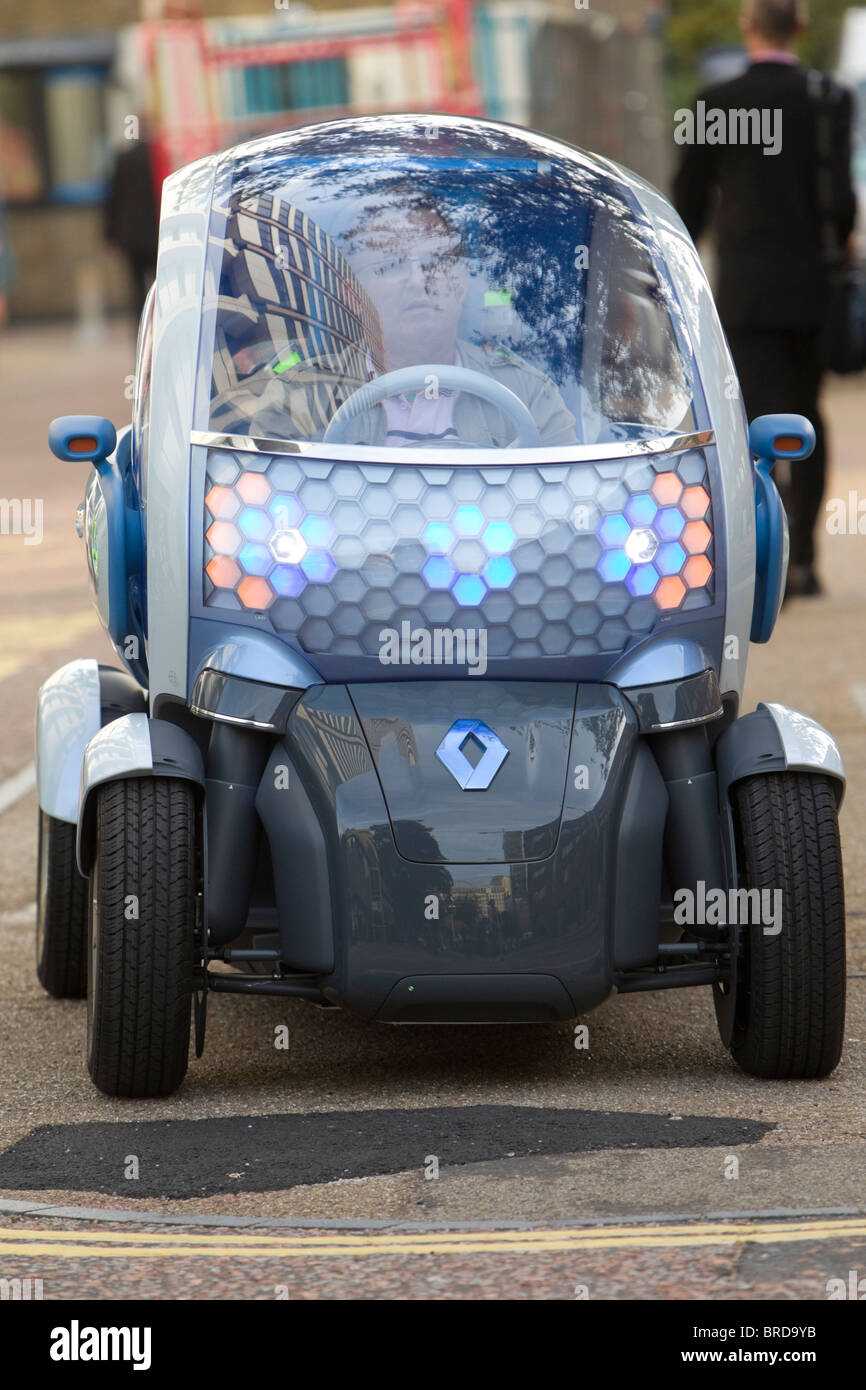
(14, 788)
(858, 693)
(19, 916)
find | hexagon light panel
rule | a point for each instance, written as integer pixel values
(570, 559)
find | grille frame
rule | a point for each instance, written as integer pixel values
(586, 662)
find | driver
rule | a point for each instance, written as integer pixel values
(413, 265)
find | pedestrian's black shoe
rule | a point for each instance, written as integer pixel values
(802, 582)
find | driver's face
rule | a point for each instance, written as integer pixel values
(413, 267)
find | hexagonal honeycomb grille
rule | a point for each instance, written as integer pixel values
(552, 560)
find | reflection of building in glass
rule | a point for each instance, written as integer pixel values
(281, 272)
(499, 892)
(491, 899)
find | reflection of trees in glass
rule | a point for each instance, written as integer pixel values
(550, 235)
(642, 374)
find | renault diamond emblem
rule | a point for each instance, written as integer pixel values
(450, 752)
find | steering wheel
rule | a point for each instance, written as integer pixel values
(453, 379)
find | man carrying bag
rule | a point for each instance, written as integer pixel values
(783, 219)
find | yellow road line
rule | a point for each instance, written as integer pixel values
(78, 1245)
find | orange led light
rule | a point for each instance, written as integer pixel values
(224, 537)
(223, 572)
(255, 592)
(666, 489)
(254, 488)
(670, 592)
(696, 571)
(81, 444)
(222, 503)
(695, 538)
(694, 503)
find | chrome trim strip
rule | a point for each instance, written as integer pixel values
(686, 723)
(477, 458)
(231, 719)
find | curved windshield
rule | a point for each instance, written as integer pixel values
(408, 286)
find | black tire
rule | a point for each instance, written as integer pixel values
(61, 912)
(140, 970)
(790, 1007)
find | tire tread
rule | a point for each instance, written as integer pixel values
(791, 1021)
(146, 846)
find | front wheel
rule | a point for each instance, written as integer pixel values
(142, 935)
(790, 1002)
(61, 912)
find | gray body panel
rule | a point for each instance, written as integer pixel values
(432, 820)
(355, 910)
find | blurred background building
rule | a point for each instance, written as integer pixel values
(78, 82)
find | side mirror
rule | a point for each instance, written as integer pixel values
(89, 438)
(774, 437)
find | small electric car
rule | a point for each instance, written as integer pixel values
(432, 557)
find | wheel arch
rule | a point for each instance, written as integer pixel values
(73, 704)
(776, 738)
(132, 746)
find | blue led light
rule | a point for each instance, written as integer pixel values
(670, 558)
(641, 509)
(642, 580)
(255, 524)
(499, 572)
(468, 521)
(498, 537)
(255, 559)
(317, 531)
(469, 590)
(438, 538)
(614, 565)
(438, 572)
(669, 523)
(319, 566)
(286, 510)
(613, 531)
(288, 580)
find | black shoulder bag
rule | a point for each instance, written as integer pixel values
(843, 327)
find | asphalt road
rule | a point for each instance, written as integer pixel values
(490, 1131)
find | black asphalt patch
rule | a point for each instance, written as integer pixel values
(266, 1153)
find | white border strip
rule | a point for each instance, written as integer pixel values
(14, 788)
(161, 1218)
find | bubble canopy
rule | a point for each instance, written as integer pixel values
(344, 252)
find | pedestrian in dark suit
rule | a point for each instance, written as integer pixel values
(766, 213)
(132, 217)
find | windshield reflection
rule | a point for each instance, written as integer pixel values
(367, 248)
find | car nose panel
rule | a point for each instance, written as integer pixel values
(470, 774)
